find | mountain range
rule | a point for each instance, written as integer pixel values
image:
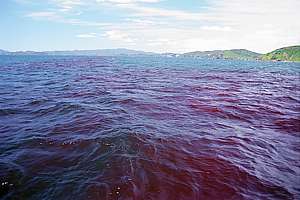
(97, 52)
(291, 53)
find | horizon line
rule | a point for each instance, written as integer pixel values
(145, 51)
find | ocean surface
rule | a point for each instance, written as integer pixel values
(138, 128)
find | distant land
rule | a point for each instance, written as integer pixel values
(239, 54)
(285, 54)
(97, 52)
(291, 53)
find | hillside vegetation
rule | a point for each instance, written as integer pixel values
(239, 54)
(284, 54)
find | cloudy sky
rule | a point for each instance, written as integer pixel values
(150, 25)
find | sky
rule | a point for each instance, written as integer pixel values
(150, 25)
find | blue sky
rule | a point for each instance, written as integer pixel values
(150, 25)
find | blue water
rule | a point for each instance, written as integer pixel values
(148, 128)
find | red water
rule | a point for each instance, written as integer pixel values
(94, 128)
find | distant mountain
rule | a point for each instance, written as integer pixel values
(284, 54)
(170, 55)
(98, 52)
(2, 52)
(291, 53)
(239, 54)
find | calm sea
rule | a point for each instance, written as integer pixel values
(148, 128)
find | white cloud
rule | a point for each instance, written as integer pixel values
(217, 28)
(67, 5)
(59, 17)
(117, 35)
(45, 14)
(127, 1)
(87, 35)
(253, 24)
(85, 23)
(143, 11)
(260, 25)
(140, 21)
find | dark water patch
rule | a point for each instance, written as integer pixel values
(10, 111)
(10, 178)
(60, 108)
(290, 125)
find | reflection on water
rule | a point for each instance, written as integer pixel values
(148, 128)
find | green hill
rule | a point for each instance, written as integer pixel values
(284, 54)
(239, 54)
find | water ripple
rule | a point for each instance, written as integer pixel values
(148, 128)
